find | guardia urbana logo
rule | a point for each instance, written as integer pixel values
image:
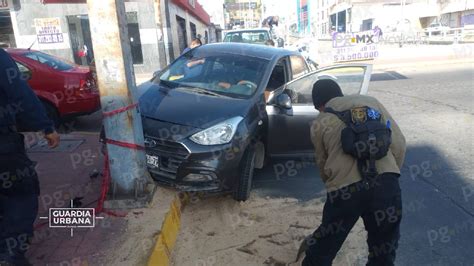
(72, 218)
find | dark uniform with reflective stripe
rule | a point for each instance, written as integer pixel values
(19, 187)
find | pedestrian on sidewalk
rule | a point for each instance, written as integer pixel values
(360, 151)
(19, 186)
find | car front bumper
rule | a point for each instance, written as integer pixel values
(188, 166)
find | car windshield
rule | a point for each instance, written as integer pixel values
(258, 37)
(49, 60)
(229, 75)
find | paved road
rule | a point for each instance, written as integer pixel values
(434, 108)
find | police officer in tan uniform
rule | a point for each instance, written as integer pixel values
(353, 191)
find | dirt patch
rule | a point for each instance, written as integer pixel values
(220, 231)
(138, 237)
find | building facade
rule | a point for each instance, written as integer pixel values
(409, 16)
(62, 28)
(243, 14)
(187, 20)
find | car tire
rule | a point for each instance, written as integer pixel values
(52, 113)
(247, 169)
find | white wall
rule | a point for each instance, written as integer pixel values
(387, 17)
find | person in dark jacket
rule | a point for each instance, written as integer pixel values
(19, 186)
(270, 22)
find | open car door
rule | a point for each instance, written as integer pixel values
(291, 111)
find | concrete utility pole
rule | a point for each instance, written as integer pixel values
(131, 185)
(161, 34)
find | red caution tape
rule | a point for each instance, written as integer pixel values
(125, 144)
(120, 110)
(105, 189)
(106, 174)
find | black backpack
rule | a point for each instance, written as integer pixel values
(366, 138)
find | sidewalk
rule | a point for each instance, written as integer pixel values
(73, 171)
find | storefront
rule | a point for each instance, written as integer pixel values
(7, 37)
(188, 20)
(61, 28)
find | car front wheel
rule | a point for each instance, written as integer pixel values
(247, 168)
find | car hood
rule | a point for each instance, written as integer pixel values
(177, 106)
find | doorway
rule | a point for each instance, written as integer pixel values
(7, 37)
(192, 26)
(134, 37)
(182, 35)
(81, 40)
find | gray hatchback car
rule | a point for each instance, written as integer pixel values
(220, 110)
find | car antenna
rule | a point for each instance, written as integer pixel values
(29, 48)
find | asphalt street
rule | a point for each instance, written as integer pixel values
(434, 108)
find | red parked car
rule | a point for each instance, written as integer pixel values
(66, 90)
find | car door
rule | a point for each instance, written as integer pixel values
(289, 127)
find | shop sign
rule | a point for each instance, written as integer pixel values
(354, 46)
(355, 53)
(48, 30)
(4, 4)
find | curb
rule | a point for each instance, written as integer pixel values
(166, 239)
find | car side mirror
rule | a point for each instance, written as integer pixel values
(284, 101)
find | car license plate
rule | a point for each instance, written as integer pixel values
(152, 161)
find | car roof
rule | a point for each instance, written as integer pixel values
(18, 50)
(245, 49)
(243, 30)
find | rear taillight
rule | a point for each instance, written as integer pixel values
(87, 85)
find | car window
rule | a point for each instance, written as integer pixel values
(298, 66)
(227, 74)
(277, 79)
(259, 37)
(349, 78)
(49, 60)
(300, 89)
(22, 68)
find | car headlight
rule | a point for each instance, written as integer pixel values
(221, 133)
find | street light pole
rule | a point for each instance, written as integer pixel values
(131, 186)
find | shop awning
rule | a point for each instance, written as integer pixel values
(195, 9)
